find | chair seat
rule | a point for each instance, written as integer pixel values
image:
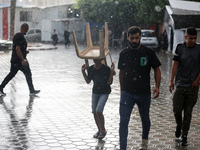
(92, 53)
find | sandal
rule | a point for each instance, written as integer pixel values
(96, 135)
(102, 135)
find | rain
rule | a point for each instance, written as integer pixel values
(60, 116)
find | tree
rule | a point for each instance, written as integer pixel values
(12, 18)
(123, 13)
(150, 11)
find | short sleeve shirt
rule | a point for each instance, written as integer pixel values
(189, 64)
(18, 40)
(100, 78)
(136, 65)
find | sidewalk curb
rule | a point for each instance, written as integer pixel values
(42, 48)
(39, 46)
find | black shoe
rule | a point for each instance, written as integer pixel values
(34, 92)
(2, 93)
(184, 140)
(178, 131)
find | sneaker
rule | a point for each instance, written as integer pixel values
(2, 93)
(144, 144)
(184, 140)
(178, 131)
(34, 92)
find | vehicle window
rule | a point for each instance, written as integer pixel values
(38, 31)
(31, 32)
(147, 34)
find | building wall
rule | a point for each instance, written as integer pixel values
(41, 3)
(46, 3)
(56, 16)
(35, 23)
(1, 23)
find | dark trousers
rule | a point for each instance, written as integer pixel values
(13, 71)
(183, 101)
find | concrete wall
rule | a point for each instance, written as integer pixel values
(35, 23)
(77, 26)
(56, 16)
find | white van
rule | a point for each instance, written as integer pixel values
(33, 35)
(149, 39)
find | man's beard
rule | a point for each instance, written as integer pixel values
(134, 44)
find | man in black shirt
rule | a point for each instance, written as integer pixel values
(66, 37)
(19, 61)
(135, 63)
(186, 67)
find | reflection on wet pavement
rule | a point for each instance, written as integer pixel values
(60, 116)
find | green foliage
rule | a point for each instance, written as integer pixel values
(194, 0)
(123, 13)
(149, 11)
(101, 10)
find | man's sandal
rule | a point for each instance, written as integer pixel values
(101, 135)
(96, 135)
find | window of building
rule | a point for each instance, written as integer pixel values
(25, 15)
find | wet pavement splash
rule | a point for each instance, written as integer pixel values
(60, 117)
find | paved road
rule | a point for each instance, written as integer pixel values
(60, 117)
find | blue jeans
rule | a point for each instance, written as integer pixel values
(127, 103)
(98, 102)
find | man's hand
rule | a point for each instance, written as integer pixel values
(195, 83)
(156, 92)
(25, 62)
(171, 86)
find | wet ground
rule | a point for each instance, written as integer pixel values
(60, 117)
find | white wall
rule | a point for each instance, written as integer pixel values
(46, 30)
(56, 16)
(178, 38)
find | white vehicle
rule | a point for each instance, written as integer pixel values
(5, 44)
(149, 39)
(33, 35)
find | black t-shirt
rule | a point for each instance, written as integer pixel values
(18, 40)
(189, 64)
(100, 78)
(137, 65)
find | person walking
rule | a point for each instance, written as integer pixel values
(54, 37)
(66, 37)
(102, 77)
(19, 61)
(185, 70)
(135, 63)
(124, 39)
